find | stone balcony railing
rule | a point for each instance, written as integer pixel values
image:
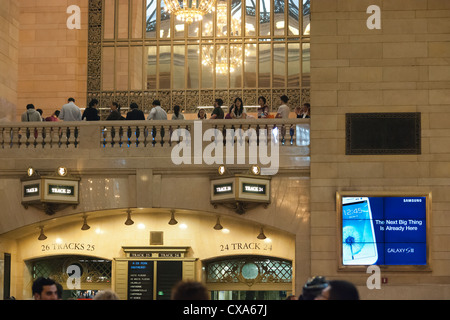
(131, 139)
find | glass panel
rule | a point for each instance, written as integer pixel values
(306, 65)
(108, 68)
(164, 67)
(193, 29)
(264, 17)
(193, 68)
(279, 23)
(250, 66)
(136, 67)
(207, 66)
(123, 19)
(236, 18)
(221, 19)
(279, 65)
(221, 66)
(136, 19)
(207, 25)
(293, 65)
(179, 29)
(178, 67)
(151, 68)
(108, 26)
(236, 58)
(122, 68)
(306, 17)
(151, 18)
(264, 65)
(164, 29)
(250, 18)
(293, 17)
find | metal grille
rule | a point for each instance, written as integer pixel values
(92, 270)
(249, 270)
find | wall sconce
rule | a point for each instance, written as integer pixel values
(31, 172)
(85, 225)
(129, 222)
(256, 170)
(218, 226)
(42, 236)
(221, 170)
(261, 235)
(172, 220)
(62, 171)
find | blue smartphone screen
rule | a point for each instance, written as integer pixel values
(358, 238)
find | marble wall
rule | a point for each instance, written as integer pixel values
(402, 67)
(9, 58)
(52, 62)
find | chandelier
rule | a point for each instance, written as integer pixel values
(189, 10)
(227, 58)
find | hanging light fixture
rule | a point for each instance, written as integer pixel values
(129, 222)
(85, 225)
(261, 235)
(42, 236)
(172, 218)
(226, 59)
(189, 10)
(218, 226)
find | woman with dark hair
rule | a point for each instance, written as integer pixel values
(237, 111)
(91, 113)
(202, 114)
(177, 115)
(115, 112)
(263, 110)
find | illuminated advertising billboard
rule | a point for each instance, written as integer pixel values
(383, 230)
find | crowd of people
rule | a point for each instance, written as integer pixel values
(71, 112)
(316, 288)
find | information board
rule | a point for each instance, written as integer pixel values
(140, 280)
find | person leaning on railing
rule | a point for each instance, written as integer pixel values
(135, 113)
(115, 112)
(31, 115)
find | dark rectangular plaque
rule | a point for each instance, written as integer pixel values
(169, 273)
(383, 133)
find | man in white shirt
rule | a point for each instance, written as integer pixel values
(283, 110)
(157, 113)
(70, 111)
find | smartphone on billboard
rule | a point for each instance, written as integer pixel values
(359, 245)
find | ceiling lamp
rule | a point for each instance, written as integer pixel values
(42, 236)
(189, 10)
(172, 221)
(85, 225)
(218, 226)
(129, 222)
(261, 235)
